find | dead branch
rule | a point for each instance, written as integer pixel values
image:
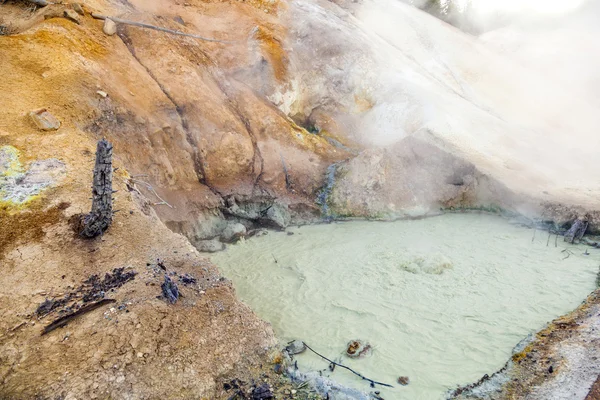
(62, 321)
(150, 188)
(40, 3)
(158, 28)
(373, 383)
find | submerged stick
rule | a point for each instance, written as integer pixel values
(62, 321)
(158, 28)
(373, 383)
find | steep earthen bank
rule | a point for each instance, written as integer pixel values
(97, 86)
(209, 135)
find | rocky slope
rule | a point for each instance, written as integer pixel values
(300, 110)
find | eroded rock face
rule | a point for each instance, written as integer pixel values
(411, 178)
(388, 72)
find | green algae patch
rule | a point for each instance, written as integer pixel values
(518, 357)
(19, 185)
(9, 162)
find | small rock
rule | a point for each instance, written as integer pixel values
(403, 380)
(140, 355)
(44, 120)
(279, 216)
(109, 28)
(102, 93)
(187, 279)
(233, 232)
(78, 9)
(71, 15)
(357, 349)
(295, 347)
(262, 392)
(209, 246)
(294, 391)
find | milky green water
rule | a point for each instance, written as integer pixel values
(442, 300)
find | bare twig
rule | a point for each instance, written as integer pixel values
(158, 28)
(62, 321)
(150, 188)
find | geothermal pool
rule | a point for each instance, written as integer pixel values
(442, 300)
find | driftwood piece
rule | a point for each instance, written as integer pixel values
(99, 219)
(158, 28)
(62, 321)
(576, 231)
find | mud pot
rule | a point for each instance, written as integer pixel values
(441, 300)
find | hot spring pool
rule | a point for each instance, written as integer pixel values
(442, 300)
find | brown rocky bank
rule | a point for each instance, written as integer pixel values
(207, 135)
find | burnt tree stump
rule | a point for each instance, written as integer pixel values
(99, 219)
(577, 230)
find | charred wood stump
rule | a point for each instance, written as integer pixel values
(99, 219)
(576, 231)
(170, 290)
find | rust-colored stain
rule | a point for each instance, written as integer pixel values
(272, 49)
(26, 223)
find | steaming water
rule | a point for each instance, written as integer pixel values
(441, 300)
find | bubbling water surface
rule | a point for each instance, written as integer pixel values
(442, 300)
